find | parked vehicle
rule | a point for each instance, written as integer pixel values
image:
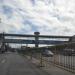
(47, 53)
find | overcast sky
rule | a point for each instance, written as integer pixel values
(50, 17)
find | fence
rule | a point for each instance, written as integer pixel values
(63, 56)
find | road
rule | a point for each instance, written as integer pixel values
(14, 64)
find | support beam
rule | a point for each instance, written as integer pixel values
(40, 36)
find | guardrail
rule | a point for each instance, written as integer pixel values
(63, 57)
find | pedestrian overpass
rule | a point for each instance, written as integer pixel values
(36, 39)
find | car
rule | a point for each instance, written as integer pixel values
(47, 53)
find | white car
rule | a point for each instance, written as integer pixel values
(47, 53)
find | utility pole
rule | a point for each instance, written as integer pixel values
(2, 40)
(0, 20)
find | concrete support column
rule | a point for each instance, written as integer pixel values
(36, 39)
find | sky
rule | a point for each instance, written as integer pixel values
(49, 17)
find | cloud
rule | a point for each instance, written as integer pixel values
(54, 17)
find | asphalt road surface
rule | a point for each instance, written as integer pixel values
(14, 64)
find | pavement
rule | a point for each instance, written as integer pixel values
(15, 64)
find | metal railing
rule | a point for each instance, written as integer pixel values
(63, 56)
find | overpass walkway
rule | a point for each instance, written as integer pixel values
(15, 64)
